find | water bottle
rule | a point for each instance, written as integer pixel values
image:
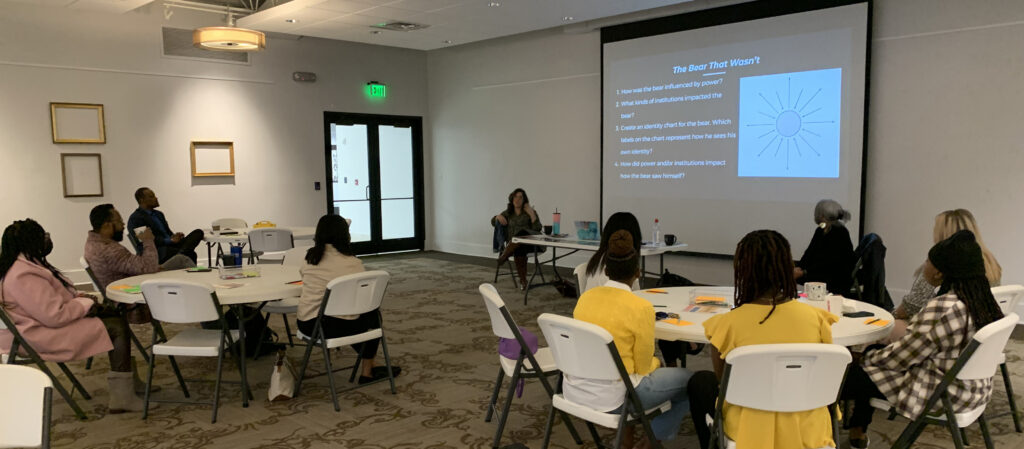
(236, 251)
(556, 222)
(656, 233)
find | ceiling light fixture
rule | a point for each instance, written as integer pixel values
(229, 38)
(568, 18)
(494, 4)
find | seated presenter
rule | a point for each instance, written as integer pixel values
(519, 219)
(110, 261)
(829, 257)
(168, 243)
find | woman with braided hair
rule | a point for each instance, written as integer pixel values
(630, 320)
(59, 322)
(907, 371)
(765, 313)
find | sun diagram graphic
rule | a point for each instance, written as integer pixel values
(791, 123)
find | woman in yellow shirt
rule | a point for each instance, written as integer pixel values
(765, 313)
(630, 320)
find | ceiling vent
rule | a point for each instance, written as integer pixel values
(400, 26)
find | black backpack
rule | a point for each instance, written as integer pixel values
(673, 280)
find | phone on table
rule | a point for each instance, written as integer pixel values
(861, 314)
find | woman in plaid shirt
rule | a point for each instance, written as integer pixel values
(907, 371)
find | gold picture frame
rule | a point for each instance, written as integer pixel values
(77, 123)
(81, 174)
(212, 158)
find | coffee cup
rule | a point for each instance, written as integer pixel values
(815, 291)
(834, 304)
(670, 239)
(547, 230)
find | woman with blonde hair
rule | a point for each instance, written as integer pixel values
(947, 223)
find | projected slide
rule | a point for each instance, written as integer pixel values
(789, 124)
(721, 130)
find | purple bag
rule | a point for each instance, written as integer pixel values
(510, 349)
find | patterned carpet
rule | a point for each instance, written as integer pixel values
(439, 333)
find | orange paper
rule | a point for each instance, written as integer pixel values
(703, 299)
(876, 322)
(676, 321)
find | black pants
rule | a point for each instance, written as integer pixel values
(703, 391)
(859, 388)
(338, 327)
(186, 246)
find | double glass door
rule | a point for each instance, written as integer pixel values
(375, 179)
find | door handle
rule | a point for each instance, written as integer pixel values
(367, 191)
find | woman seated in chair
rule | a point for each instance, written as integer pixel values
(331, 257)
(630, 320)
(829, 257)
(766, 313)
(907, 371)
(946, 224)
(59, 322)
(519, 219)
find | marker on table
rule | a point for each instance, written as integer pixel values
(657, 291)
(874, 321)
(659, 305)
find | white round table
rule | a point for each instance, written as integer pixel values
(273, 284)
(846, 332)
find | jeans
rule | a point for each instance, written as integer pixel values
(665, 384)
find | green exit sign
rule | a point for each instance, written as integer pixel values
(376, 90)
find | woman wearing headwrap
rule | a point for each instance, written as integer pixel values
(907, 371)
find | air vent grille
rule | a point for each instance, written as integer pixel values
(400, 26)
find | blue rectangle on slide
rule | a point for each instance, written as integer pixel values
(789, 124)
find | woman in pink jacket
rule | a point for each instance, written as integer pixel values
(58, 321)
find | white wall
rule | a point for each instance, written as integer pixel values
(944, 105)
(155, 106)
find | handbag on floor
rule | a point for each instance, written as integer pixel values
(282, 380)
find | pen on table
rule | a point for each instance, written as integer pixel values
(874, 321)
(659, 305)
(657, 291)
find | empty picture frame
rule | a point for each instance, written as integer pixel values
(82, 174)
(213, 158)
(77, 123)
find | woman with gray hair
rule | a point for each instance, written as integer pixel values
(829, 258)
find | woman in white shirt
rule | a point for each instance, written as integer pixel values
(330, 257)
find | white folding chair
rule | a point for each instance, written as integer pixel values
(292, 257)
(586, 350)
(790, 377)
(230, 223)
(1008, 297)
(977, 361)
(270, 243)
(25, 421)
(183, 302)
(504, 326)
(103, 296)
(597, 280)
(581, 277)
(353, 294)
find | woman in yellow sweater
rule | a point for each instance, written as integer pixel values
(766, 313)
(630, 320)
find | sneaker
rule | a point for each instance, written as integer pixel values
(378, 373)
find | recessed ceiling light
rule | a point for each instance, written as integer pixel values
(376, 32)
(290, 20)
(446, 41)
(568, 18)
(494, 4)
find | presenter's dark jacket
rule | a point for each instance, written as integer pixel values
(156, 222)
(517, 224)
(829, 259)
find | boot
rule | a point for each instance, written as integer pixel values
(521, 269)
(122, 396)
(509, 250)
(138, 384)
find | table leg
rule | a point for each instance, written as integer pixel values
(209, 255)
(240, 313)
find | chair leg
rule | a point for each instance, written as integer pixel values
(60, 389)
(177, 373)
(149, 383)
(88, 363)
(963, 436)
(74, 381)
(330, 374)
(138, 345)
(594, 434)
(508, 405)
(547, 427)
(288, 330)
(355, 366)
(387, 361)
(216, 384)
(620, 433)
(983, 424)
(494, 395)
(1010, 397)
(954, 430)
(263, 335)
(302, 369)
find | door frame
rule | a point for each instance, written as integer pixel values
(372, 121)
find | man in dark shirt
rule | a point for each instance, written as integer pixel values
(168, 243)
